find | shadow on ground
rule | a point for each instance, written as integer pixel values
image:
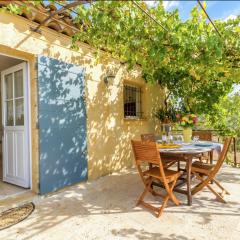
(130, 233)
(106, 209)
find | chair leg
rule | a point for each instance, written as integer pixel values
(170, 193)
(147, 187)
(174, 199)
(218, 196)
(200, 185)
(167, 197)
(220, 186)
(142, 196)
(165, 200)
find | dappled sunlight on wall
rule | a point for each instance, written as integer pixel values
(109, 134)
(62, 124)
(155, 100)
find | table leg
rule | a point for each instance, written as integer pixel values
(211, 161)
(178, 165)
(211, 157)
(189, 194)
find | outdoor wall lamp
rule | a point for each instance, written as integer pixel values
(108, 78)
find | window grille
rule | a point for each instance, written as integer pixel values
(132, 102)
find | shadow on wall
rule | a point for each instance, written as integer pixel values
(62, 124)
(109, 134)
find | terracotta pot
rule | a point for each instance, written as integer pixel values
(187, 135)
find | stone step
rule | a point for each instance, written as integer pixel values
(19, 199)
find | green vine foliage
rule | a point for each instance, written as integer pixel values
(18, 9)
(190, 60)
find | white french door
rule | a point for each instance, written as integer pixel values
(15, 139)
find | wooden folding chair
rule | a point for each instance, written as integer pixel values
(148, 152)
(204, 135)
(206, 173)
(150, 137)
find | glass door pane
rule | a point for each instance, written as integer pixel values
(18, 83)
(9, 86)
(19, 112)
(9, 113)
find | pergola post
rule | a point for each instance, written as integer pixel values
(234, 152)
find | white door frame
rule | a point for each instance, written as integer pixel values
(27, 112)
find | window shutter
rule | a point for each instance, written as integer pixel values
(62, 124)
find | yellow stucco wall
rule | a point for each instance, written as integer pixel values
(108, 133)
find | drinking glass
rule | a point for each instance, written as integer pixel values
(170, 137)
(180, 138)
(175, 138)
(164, 138)
(195, 139)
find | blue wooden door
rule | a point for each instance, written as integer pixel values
(62, 124)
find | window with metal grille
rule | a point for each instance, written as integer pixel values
(132, 102)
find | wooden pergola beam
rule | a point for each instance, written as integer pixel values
(65, 7)
(205, 12)
(149, 15)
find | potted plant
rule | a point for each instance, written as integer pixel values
(187, 122)
(167, 117)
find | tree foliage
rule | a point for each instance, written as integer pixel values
(226, 116)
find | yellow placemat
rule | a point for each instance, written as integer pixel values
(168, 145)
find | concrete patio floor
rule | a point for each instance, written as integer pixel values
(105, 209)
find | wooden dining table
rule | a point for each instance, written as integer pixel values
(187, 153)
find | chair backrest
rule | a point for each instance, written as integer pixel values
(222, 156)
(147, 152)
(148, 137)
(203, 135)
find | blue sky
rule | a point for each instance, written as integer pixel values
(216, 9)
